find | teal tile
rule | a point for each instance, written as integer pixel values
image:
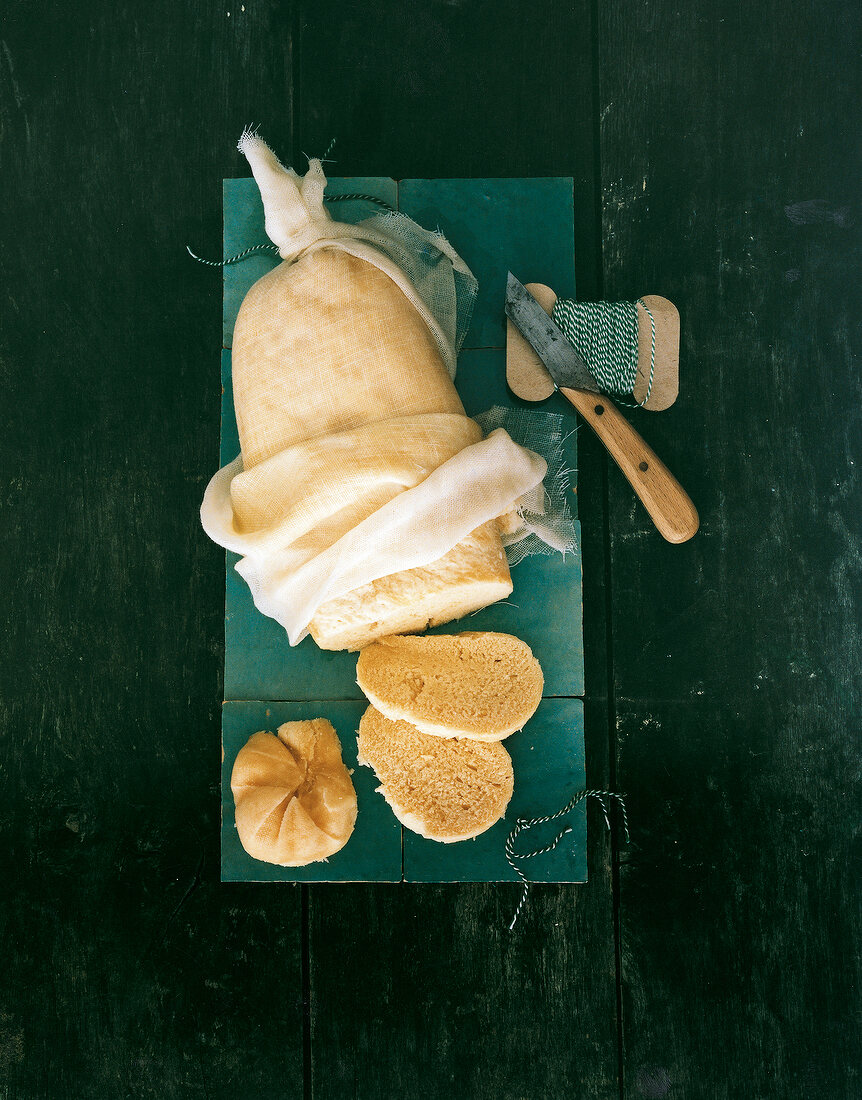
(497, 225)
(548, 762)
(244, 227)
(373, 853)
(259, 661)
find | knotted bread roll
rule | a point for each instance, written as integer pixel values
(295, 802)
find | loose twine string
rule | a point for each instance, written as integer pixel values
(524, 823)
(605, 335)
(274, 248)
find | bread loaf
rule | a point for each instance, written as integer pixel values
(444, 789)
(480, 685)
(472, 575)
(328, 343)
(325, 344)
(294, 798)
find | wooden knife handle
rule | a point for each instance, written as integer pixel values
(661, 494)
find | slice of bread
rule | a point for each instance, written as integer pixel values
(443, 789)
(479, 685)
(294, 798)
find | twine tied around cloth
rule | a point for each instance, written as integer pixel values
(605, 335)
(274, 247)
(524, 823)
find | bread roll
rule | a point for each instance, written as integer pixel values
(294, 798)
(443, 789)
(480, 685)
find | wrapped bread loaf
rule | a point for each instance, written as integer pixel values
(331, 346)
(365, 501)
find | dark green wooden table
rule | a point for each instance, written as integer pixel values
(715, 149)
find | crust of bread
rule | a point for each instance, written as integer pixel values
(294, 798)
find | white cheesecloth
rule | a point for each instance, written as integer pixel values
(333, 512)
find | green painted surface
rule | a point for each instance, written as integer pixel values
(545, 609)
(548, 762)
(497, 224)
(373, 852)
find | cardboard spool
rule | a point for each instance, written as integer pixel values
(667, 503)
(528, 378)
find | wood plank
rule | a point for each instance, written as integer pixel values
(728, 181)
(128, 969)
(420, 990)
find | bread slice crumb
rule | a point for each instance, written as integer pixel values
(443, 789)
(478, 684)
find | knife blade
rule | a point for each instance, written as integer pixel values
(565, 366)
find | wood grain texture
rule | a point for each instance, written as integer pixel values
(737, 690)
(126, 965)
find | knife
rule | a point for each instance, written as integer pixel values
(667, 503)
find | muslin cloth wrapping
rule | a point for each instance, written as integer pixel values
(348, 475)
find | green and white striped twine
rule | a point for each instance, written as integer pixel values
(274, 248)
(525, 823)
(605, 335)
